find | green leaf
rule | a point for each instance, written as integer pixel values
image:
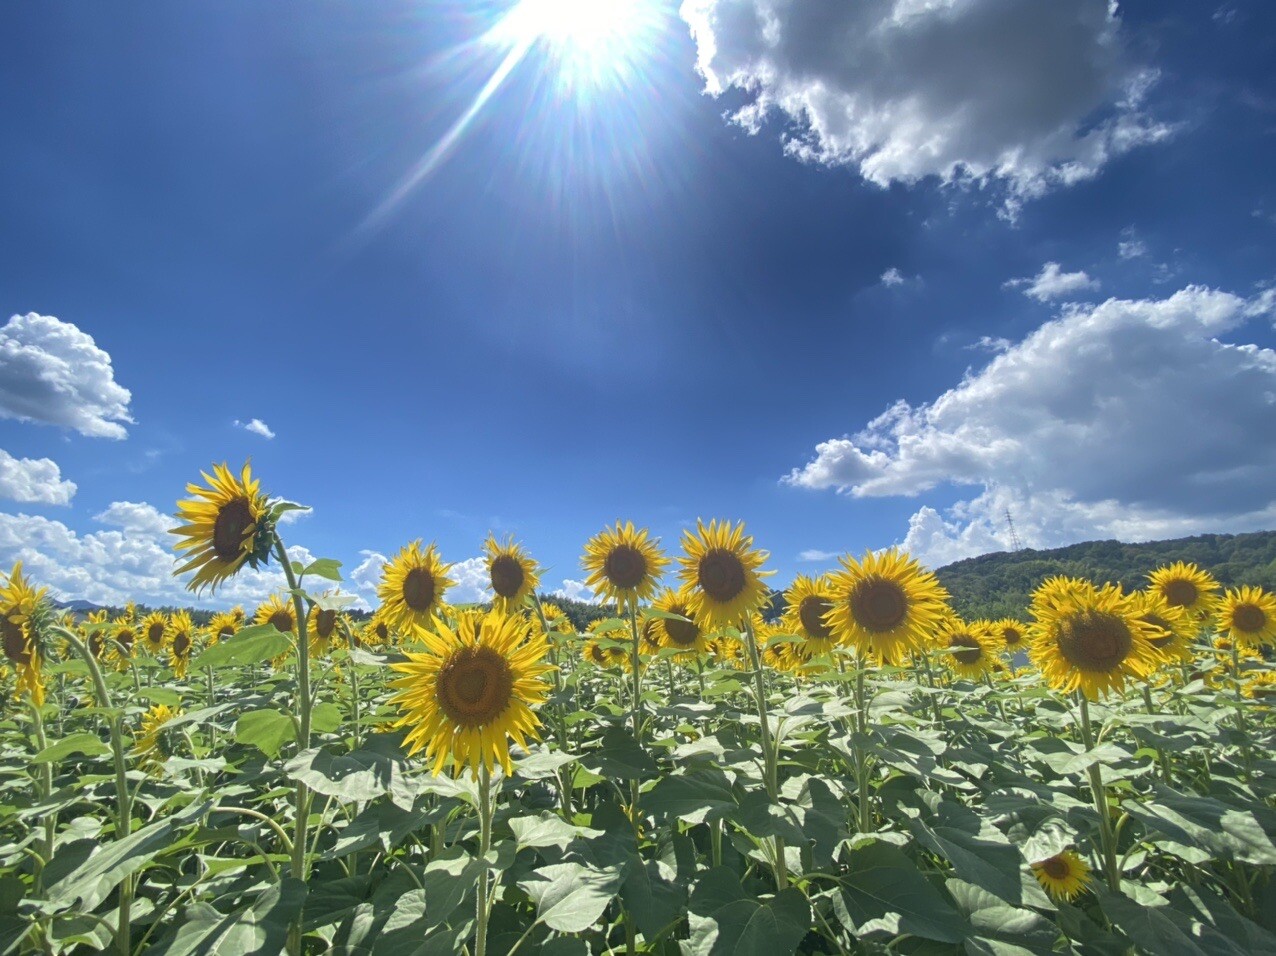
(1001, 929)
(252, 645)
(542, 764)
(267, 730)
(1152, 929)
(696, 797)
(652, 896)
(884, 892)
(360, 775)
(80, 743)
(977, 850)
(1226, 832)
(325, 718)
(619, 757)
(569, 897)
(727, 921)
(547, 829)
(261, 927)
(324, 568)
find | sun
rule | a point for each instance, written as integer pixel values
(580, 24)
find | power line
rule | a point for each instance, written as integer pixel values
(1015, 543)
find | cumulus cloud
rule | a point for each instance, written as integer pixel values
(471, 580)
(1053, 283)
(34, 481)
(1033, 94)
(575, 591)
(367, 574)
(256, 426)
(990, 343)
(52, 373)
(1130, 419)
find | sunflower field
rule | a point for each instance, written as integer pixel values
(867, 774)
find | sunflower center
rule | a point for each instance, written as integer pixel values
(474, 687)
(507, 576)
(1056, 868)
(966, 649)
(682, 633)
(1180, 593)
(1095, 641)
(281, 621)
(95, 644)
(811, 613)
(382, 631)
(181, 644)
(879, 605)
(325, 624)
(227, 630)
(15, 642)
(722, 575)
(625, 567)
(418, 589)
(650, 637)
(234, 518)
(1011, 636)
(154, 634)
(1249, 618)
(126, 638)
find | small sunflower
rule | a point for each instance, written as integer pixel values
(687, 636)
(624, 564)
(120, 642)
(556, 618)
(720, 573)
(1171, 628)
(378, 632)
(153, 746)
(607, 656)
(19, 604)
(225, 527)
(1012, 634)
(152, 629)
(782, 653)
(1248, 616)
(886, 605)
(512, 572)
(277, 612)
(808, 602)
(322, 628)
(971, 648)
(1186, 586)
(1064, 876)
(1262, 686)
(1093, 644)
(471, 690)
(180, 640)
(412, 586)
(224, 625)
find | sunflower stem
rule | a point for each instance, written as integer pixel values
(1106, 838)
(861, 759)
(485, 844)
(557, 711)
(46, 790)
(1161, 756)
(636, 677)
(1240, 706)
(770, 755)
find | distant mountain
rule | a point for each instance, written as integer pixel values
(1000, 584)
(79, 607)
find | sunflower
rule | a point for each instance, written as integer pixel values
(1248, 616)
(412, 586)
(624, 564)
(1012, 634)
(1262, 686)
(971, 648)
(1059, 590)
(322, 628)
(729, 651)
(118, 644)
(378, 631)
(1186, 586)
(512, 572)
(1064, 876)
(180, 640)
(1093, 644)
(609, 655)
(782, 653)
(886, 605)
(471, 690)
(19, 603)
(689, 636)
(152, 630)
(808, 601)
(1171, 633)
(556, 618)
(225, 526)
(152, 745)
(224, 625)
(279, 613)
(720, 573)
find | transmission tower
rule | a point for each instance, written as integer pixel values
(1015, 543)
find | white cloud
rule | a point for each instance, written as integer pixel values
(1131, 246)
(138, 517)
(1129, 419)
(815, 554)
(575, 591)
(51, 372)
(34, 481)
(471, 580)
(1036, 95)
(1053, 283)
(367, 574)
(292, 517)
(256, 426)
(893, 277)
(990, 343)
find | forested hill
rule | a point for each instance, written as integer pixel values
(1000, 584)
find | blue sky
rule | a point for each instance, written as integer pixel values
(680, 273)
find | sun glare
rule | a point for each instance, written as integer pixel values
(579, 25)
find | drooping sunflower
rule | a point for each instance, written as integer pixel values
(152, 746)
(152, 628)
(19, 605)
(624, 564)
(1064, 876)
(1012, 634)
(686, 636)
(322, 629)
(279, 613)
(512, 572)
(471, 690)
(1248, 616)
(809, 601)
(225, 527)
(1093, 644)
(224, 625)
(412, 586)
(720, 573)
(971, 648)
(1187, 586)
(181, 640)
(886, 605)
(1171, 628)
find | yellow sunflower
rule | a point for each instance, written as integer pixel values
(224, 527)
(19, 602)
(322, 629)
(1248, 616)
(180, 640)
(624, 564)
(224, 625)
(1064, 876)
(808, 602)
(1012, 634)
(378, 632)
(152, 630)
(886, 605)
(152, 745)
(720, 575)
(1186, 586)
(687, 636)
(512, 573)
(1261, 686)
(782, 653)
(1171, 628)
(412, 586)
(1058, 591)
(279, 613)
(119, 643)
(608, 656)
(1093, 644)
(556, 618)
(971, 648)
(472, 690)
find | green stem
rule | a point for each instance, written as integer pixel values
(1162, 757)
(1240, 707)
(770, 755)
(1106, 837)
(46, 791)
(861, 758)
(485, 843)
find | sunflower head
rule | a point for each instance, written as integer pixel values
(225, 624)
(1186, 586)
(152, 629)
(1169, 627)
(471, 690)
(690, 636)
(323, 628)
(181, 641)
(24, 616)
(152, 745)
(412, 586)
(721, 573)
(378, 631)
(118, 644)
(624, 564)
(1012, 634)
(602, 651)
(971, 648)
(1248, 616)
(1262, 686)
(1092, 644)
(512, 573)
(886, 605)
(1064, 876)
(808, 602)
(226, 525)
(1059, 590)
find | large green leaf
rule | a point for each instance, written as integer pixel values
(259, 928)
(694, 797)
(328, 568)
(978, 851)
(726, 920)
(1226, 832)
(267, 730)
(884, 892)
(999, 929)
(619, 757)
(570, 897)
(79, 743)
(360, 775)
(652, 896)
(253, 645)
